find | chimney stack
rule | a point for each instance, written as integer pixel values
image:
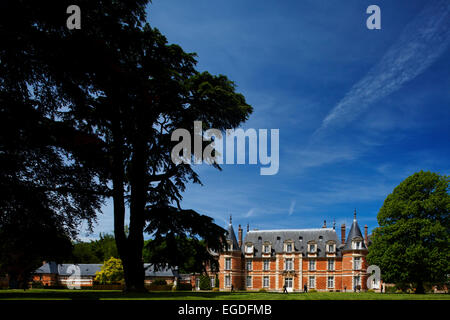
(343, 233)
(248, 227)
(240, 236)
(366, 238)
(324, 223)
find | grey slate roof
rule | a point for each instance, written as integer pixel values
(159, 272)
(231, 236)
(62, 269)
(355, 232)
(300, 237)
(90, 270)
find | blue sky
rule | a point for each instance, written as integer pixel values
(358, 110)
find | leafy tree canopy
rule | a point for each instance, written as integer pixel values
(111, 272)
(411, 244)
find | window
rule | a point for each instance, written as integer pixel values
(288, 282)
(289, 265)
(249, 265)
(266, 249)
(266, 265)
(357, 244)
(289, 247)
(312, 282)
(356, 263)
(249, 248)
(312, 248)
(331, 265)
(249, 281)
(227, 263)
(330, 282)
(312, 265)
(357, 281)
(266, 281)
(330, 248)
(227, 280)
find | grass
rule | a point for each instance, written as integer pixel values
(61, 294)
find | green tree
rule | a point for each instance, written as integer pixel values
(111, 272)
(205, 282)
(107, 97)
(411, 244)
(95, 251)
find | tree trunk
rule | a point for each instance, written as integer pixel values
(420, 288)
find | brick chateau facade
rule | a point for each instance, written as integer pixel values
(317, 258)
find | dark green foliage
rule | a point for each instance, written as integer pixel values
(184, 287)
(411, 244)
(159, 282)
(96, 251)
(205, 283)
(95, 108)
(217, 284)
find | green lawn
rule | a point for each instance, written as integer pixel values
(48, 294)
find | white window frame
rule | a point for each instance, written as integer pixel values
(331, 263)
(332, 282)
(227, 263)
(249, 278)
(247, 264)
(227, 280)
(266, 285)
(313, 278)
(312, 265)
(266, 264)
(290, 262)
(266, 248)
(356, 263)
(289, 247)
(312, 248)
(249, 248)
(331, 248)
(357, 244)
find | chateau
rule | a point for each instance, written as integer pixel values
(273, 259)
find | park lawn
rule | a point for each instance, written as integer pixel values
(61, 294)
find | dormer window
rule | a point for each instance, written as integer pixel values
(229, 246)
(266, 248)
(249, 248)
(357, 244)
(331, 247)
(289, 247)
(312, 247)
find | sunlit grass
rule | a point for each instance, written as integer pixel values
(49, 294)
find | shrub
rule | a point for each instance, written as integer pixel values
(215, 289)
(217, 282)
(157, 287)
(390, 289)
(37, 285)
(159, 282)
(370, 290)
(262, 290)
(205, 282)
(312, 290)
(184, 286)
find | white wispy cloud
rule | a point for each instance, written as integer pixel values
(420, 44)
(292, 207)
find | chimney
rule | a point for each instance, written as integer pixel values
(240, 236)
(366, 238)
(248, 227)
(343, 233)
(324, 223)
